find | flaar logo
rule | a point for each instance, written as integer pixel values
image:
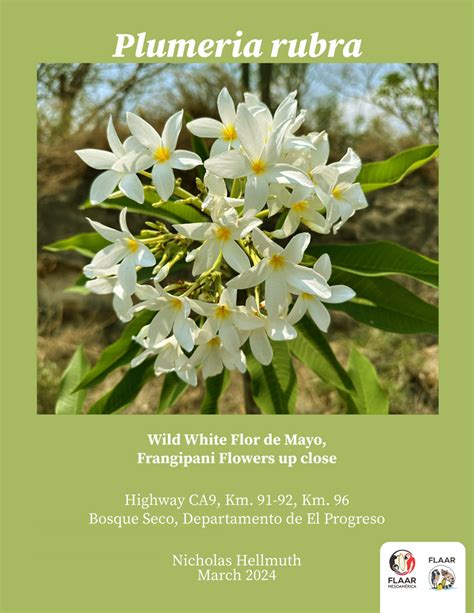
(402, 562)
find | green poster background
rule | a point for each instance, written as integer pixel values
(56, 470)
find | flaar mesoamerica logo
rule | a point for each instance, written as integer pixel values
(402, 562)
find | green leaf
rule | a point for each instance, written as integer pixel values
(172, 389)
(118, 354)
(215, 387)
(170, 211)
(88, 244)
(126, 390)
(377, 175)
(379, 259)
(69, 400)
(385, 304)
(371, 397)
(312, 349)
(274, 387)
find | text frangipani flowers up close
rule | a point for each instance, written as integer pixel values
(242, 288)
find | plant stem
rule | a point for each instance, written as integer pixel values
(250, 407)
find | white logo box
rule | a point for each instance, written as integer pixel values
(412, 591)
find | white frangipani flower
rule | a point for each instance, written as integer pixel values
(219, 236)
(159, 152)
(173, 314)
(225, 318)
(337, 181)
(125, 250)
(213, 355)
(257, 160)
(224, 131)
(170, 358)
(106, 282)
(280, 271)
(304, 207)
(105, 184)
(276, 328)
(314, 304)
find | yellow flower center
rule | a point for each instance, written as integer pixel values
(277, 261)
(176, 304)
(222, 311)
(338, 192)
(229, 133)
(307, 296)
(132, 244)
(299, 207)
(214, 342)
(162, 154)
(222, 233)
(259, 167)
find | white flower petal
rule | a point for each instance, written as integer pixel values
(143, 131)
(205, 127)
(96, 158)
(110, 234)
(206, 256)
(323, 266)
(229, 165)
(340, 293)
(306, 280)
(161, 325)
(319, 314)
(229, 337)
(163, 180)
(295, 249)
(299, 309)
(256, 193)
(226, 107)
(196, 231)
(105, 258)
(348, 167)
(276, 294)
(184, 160)
(280, 329)
(235, 256)
(123, 307)
(171, 131)
(265, 246)
(132, 187)
(127, 274)
(103, 186)
(250, 133)
(144, 256)
(184, 330)
(260, 346)
(250, 278)
(114, 141)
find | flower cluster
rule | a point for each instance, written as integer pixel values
(242, 284)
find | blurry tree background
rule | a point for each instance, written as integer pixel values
(377, 109)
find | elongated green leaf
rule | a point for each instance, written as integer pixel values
(371, 397)
(274, 387)
(69, 400)
(385, 304)
(215, 387)
(88, 244)
(172, 389)
(312, 349)
(377, 175)
(118, 354)
(125, 391)
(378, 259)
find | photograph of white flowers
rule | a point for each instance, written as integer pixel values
(237, 238)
